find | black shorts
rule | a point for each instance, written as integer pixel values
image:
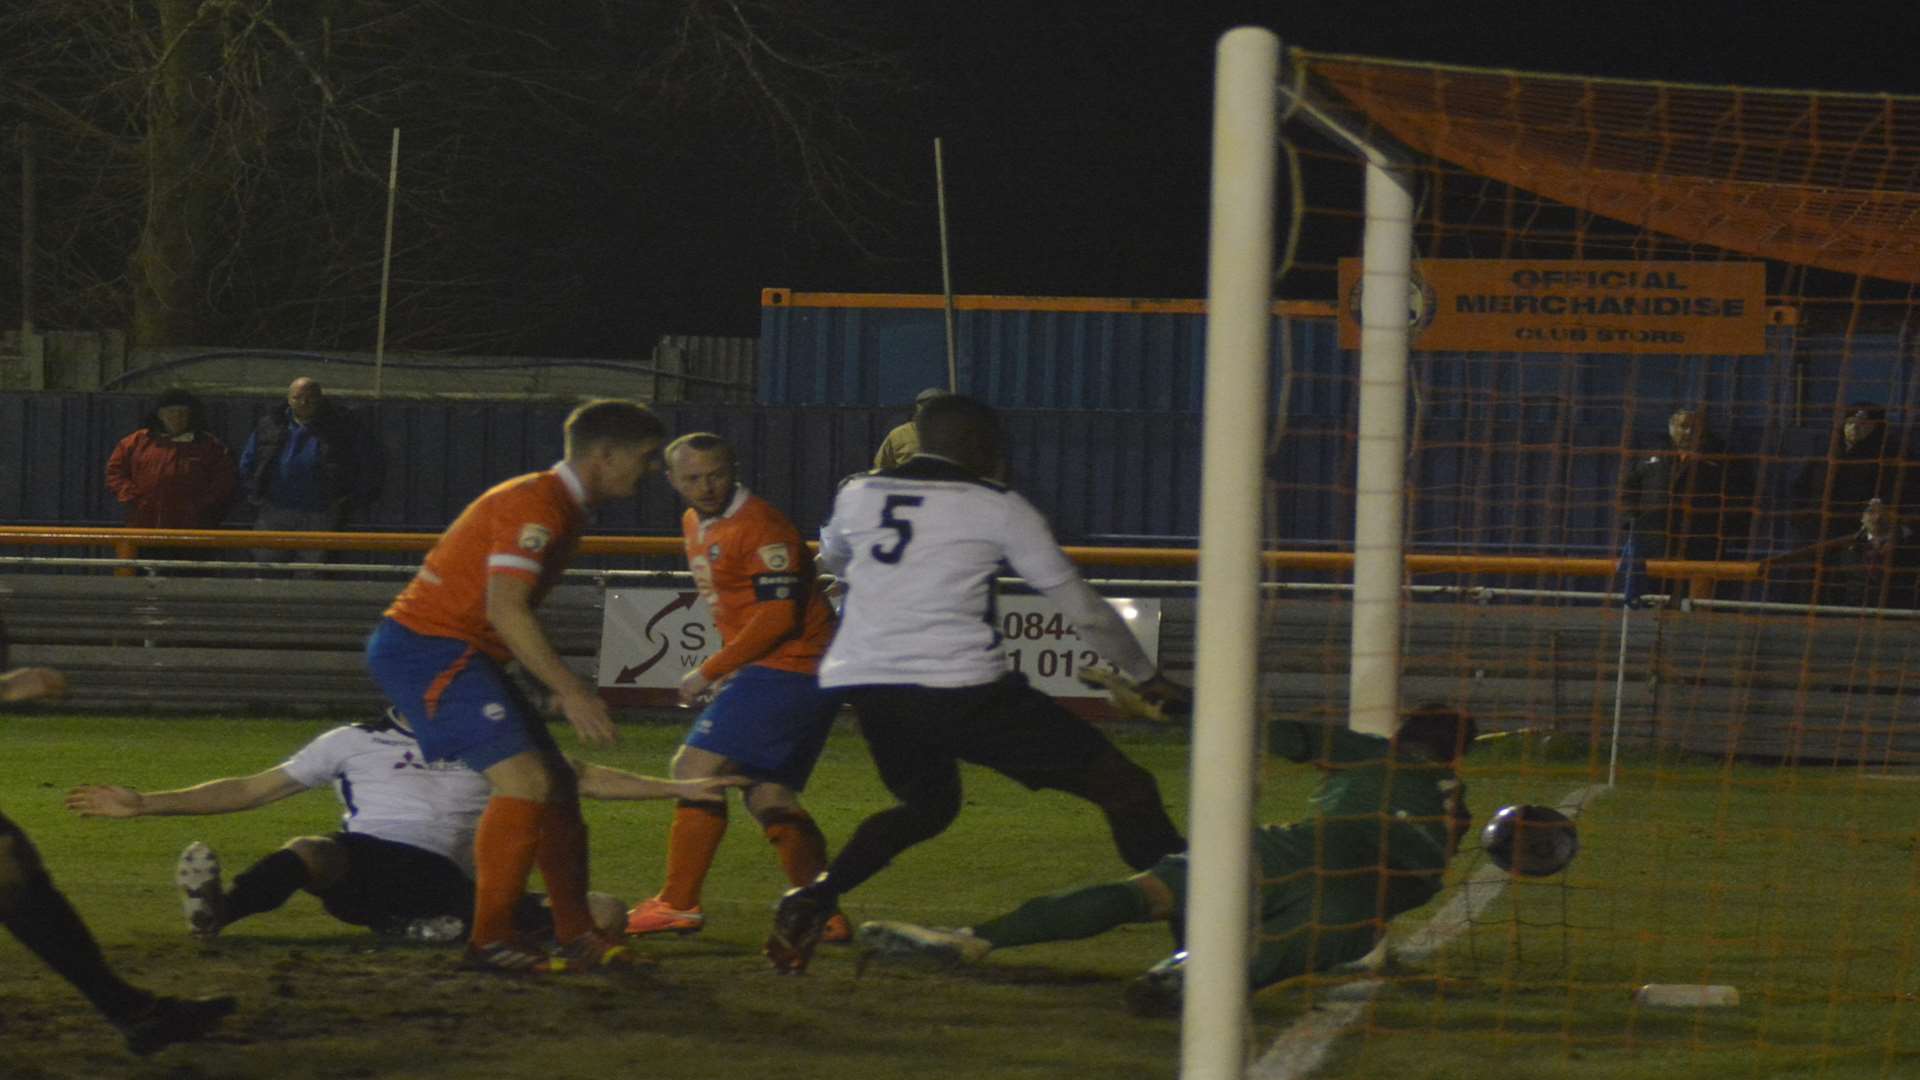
(1006, 725)
(389, 884)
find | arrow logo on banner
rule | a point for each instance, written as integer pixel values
(684, 601)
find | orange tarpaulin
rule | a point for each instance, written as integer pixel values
(1816, 179)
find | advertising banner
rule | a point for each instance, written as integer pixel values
(649, 638)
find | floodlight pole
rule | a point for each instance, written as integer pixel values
(946, 269)
(386, 265)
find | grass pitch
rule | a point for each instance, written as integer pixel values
(1798, 887)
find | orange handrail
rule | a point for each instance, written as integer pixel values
(126, 542)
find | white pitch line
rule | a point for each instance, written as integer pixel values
(1304, 1046)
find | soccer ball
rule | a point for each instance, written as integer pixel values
(1532, 841)
(609, 913)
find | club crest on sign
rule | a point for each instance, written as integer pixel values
(776, 556)
(535, 537)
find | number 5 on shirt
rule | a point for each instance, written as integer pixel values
(898, 524)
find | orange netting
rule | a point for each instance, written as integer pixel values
(1817, 179)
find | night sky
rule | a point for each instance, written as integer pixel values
(1076, 134)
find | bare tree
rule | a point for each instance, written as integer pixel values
(215, 170)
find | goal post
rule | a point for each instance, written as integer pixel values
(1225, 759)
(1544, 289)
(1381, 460)
(1226, 748)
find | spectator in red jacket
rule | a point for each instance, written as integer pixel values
(172, 473)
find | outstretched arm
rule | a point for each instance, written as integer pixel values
(223, 796)
(605, 782)
(1099, 626)
(29, 683)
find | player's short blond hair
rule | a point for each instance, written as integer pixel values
(610, 420)
(701, 442)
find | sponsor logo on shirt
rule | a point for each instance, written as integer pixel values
(494, 711)
(534, 537)
(776, 556)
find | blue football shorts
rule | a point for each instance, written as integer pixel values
(772, 724)
(459, 702)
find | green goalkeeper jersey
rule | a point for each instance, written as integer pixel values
(1379, 803)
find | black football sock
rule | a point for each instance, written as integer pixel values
(47, 925)
(265, 885)
(878, 839)
(1136, 815)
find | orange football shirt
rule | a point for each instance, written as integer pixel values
(757, 578)
(529, 526)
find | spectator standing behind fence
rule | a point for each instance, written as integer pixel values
(1865, 461)
(1688, 502)
(306, 466)
(172, 473)
(904, 441)
(1880, 566)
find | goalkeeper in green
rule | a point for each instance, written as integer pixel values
(1386, 819)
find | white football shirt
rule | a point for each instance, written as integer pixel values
(919, 548)
(392, 792)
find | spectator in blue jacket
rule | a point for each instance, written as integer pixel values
(306, 466)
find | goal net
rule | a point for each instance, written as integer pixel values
(1603, 436)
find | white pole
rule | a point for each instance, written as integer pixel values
(946, 267)
(1380, 482)
(1619, 692)
(1226, 670)
(386, 265)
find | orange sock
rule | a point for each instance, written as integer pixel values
(503, 847)
(562, 856)
(800, 843)
(692, 841)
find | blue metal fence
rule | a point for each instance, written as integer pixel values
(1097, 475)
(1513, 454)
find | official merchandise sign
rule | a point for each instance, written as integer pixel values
(649, 638)
(1601, 306)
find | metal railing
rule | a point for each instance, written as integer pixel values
(233, 635)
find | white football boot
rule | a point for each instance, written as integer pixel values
(203, 900)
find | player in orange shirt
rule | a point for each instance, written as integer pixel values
(769, 718)
(439, 652)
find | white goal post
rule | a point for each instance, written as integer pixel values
(1225, 754)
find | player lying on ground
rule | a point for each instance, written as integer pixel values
(402, 862)
(1339, 862)
(35, 912)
